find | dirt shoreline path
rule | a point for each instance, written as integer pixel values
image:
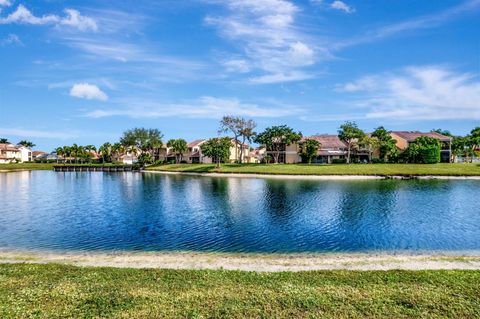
(315, 177)
(248, 262)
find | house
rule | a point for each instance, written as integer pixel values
(38, 155)
(14, 153)
(129, 159)
(288, 153)
(403, 139)
(195, 156)
(331, 148)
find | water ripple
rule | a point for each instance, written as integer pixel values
(130, 211)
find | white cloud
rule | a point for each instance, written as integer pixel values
(421, 22)
(204, 107)
(5, 3)
(23, 16)
(88, 91)
(29, 133)
(418, 93)
(340, 5)
(11, 39)
(237, 65)
(72, 19)
(281, 77)
(75, 20)
(270, 43)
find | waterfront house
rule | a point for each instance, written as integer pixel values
(14, 153)
(38, 155)
(403, 139)
(129, 159)
(195, 155)
(331, 148)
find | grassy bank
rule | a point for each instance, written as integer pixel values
(457, 169)
(55, 291)
(26, 166)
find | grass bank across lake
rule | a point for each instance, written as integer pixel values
(444, 169)
(26, 166)
(59, 291)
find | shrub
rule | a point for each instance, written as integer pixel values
(339, 161)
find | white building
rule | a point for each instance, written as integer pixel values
(10, 153)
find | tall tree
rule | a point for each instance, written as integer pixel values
(105, 151)
(350, 134)
(4, 141)
(386, 144)
(117, 151)
(369, 144)
(179, 147)
(145, 140)
(475, 138)
(232, 124)
(277, 138)
(218, 149)
(60, 152)
(424, 150)
(247, 133)
(26, 143)
(309, 149)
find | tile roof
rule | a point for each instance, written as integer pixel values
(195, 143)
(327, 141)
(9, 147)
(412, 135)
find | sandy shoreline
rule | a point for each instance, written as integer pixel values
(247, 262)
(315, 177)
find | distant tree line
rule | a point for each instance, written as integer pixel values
(146, 145)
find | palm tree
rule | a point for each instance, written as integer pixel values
(26, 143)
(60, 152)
(4, 141)
(117, 150)
(106, 151)
(179, 147)
(88, 150)
(65, 152)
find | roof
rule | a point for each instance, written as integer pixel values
(9, 147)
(36, 153)
(410, 136)
(195, 143)
(326, 141)
(196, 154)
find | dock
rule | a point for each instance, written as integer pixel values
(95, 168)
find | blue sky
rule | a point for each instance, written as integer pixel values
(84, 71)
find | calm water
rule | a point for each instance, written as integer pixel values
(133, 211)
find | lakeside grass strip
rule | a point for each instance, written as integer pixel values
(443, 169)
(59, 291)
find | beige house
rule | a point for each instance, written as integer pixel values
(331, 148)
(14, 153)
(194, 154)
(404, 138)
(288, 153)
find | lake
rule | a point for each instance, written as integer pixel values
(93, 211)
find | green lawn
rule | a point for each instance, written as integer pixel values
(29, 166)
(56, 291)
(459, 169)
